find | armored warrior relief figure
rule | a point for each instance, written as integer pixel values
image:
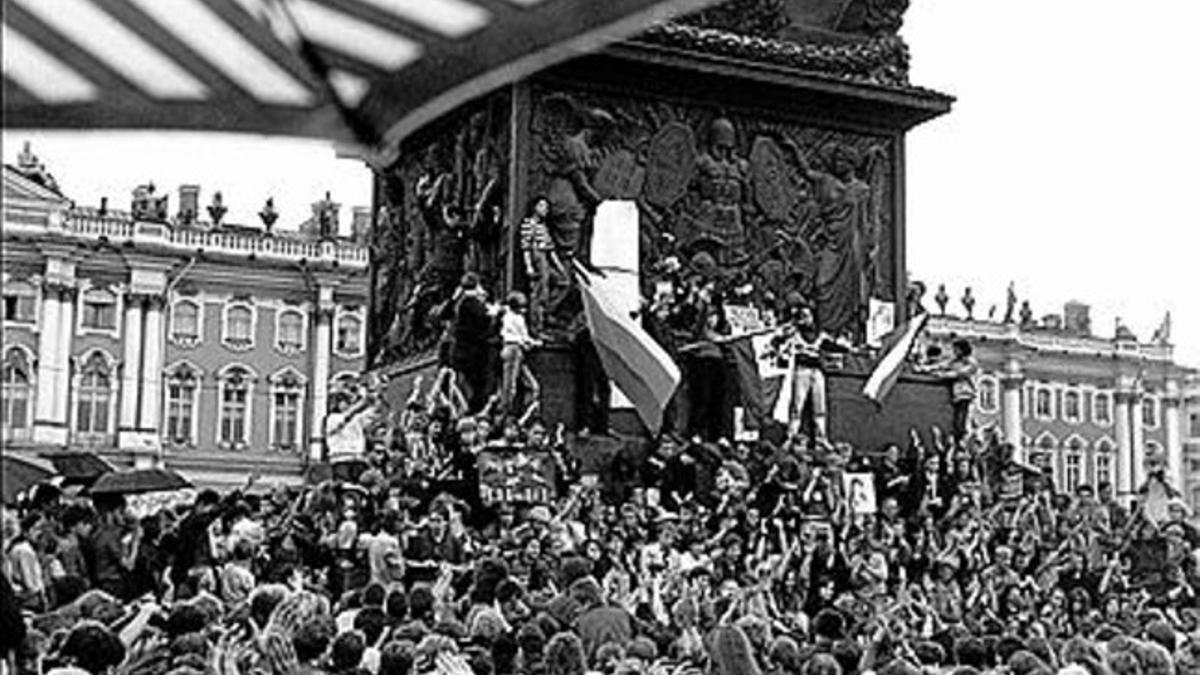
(722, 177)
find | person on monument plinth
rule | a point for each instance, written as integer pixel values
(469, 340)
(514, 332)
(799, 349)
(537, 255)
(960, 371)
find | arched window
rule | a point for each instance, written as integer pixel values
(1073, 474)
(20, 302)
(236, 407)
(1103, 463)
(16, 377)
(287, 406)
(1150, 413)
(1102, 408)
(94, 397)
(987, 395)
(289, 331)
(185, 322)
(239, 326)
(99, 310)
(349, 335)
(183, 385)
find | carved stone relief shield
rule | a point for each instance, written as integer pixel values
(773, 190)
(670, 163)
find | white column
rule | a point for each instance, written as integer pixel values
(48, 428)
(66, 335)
(1123, 484)
(322, 348)
(152, 369)
(1011, 382)
(1138, 434)
(1172, 422)
(131, 369)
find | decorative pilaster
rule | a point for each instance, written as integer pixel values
(322, 348)
(1172, 422)
(1011, 382)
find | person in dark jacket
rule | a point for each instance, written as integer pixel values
(469, 340)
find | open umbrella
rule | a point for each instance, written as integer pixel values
(138, 481)
(20, 473)
(367, 71)
(76, 467)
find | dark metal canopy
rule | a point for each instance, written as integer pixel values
(362, 71)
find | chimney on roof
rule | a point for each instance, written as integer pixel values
(189, 204)
(104, 206)
(1077, 318)
(360, 224)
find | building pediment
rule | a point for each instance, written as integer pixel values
(17, 187)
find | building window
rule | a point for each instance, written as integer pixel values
(16, 378)
(349, 335)
(1072, 406)
(1194, 425)
(236, 387)
(1074, 472)
(987, 395)
(1044, 404)
(99, 310)
(182, 386)
(1102, 409)
(20, 302)
(239, 326)
(289, 331)
(287, 404)
(1104, 450)
(1149, 413)
(94, 397)
(185, 322)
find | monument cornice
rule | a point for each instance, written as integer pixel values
(881, 60)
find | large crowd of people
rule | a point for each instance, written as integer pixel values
(695, 553)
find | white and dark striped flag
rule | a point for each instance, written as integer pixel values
(895, 353)
(637, 364)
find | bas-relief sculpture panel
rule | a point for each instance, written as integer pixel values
(442, 212)
(761, 199)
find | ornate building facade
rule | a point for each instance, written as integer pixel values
(1089, 408)
(171, 340)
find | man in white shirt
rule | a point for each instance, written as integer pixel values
(346, 427)
(514, 333)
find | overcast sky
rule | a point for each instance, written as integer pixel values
(1067, 164)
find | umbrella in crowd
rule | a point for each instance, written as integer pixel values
(363, 71)
(21, 473)
(138, 481)
(78, 468)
